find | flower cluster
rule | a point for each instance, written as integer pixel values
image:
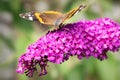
(82, 39)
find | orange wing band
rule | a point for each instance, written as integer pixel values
(38, 17)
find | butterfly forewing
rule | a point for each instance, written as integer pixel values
(74, 11)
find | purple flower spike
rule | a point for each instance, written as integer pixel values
(83, 39)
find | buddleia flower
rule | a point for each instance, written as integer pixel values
(84, 38)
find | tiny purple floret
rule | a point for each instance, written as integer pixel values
(85, 38)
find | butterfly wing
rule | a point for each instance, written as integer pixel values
(73, 12)
(49, 17)
(53, 18)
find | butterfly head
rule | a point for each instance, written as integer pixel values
(29, 16)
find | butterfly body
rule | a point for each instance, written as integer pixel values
(52, 18)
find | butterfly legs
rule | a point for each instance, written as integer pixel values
(57, 27)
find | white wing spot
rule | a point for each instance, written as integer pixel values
(29, 15)
(23, 17)
(30, 18)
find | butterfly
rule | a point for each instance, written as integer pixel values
(51, 18)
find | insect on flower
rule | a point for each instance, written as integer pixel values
(51, 18)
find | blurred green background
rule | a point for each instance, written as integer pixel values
(16, 34)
